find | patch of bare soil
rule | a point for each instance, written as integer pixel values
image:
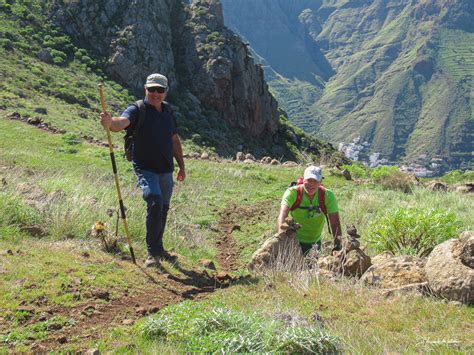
(102, 312)
(231, 219)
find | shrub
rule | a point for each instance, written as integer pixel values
(358, 171)
(71, 139)
(392, 178)
(199, 327)
(457, 176)
(412, 231)
(59, 57)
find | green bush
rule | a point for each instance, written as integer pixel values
(71, 139)
(14, 213)
(357, 170)
(457, 176)
(200, 327)
(392, 178)
(412, 231)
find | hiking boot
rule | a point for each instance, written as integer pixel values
(152, 261)
(164, 255)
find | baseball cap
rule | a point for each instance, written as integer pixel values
(313, 172)
(156, 79)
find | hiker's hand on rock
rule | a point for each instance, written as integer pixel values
(105, 119)
(181, 175)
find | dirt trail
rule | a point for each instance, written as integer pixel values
(231, 220)
(97, 316)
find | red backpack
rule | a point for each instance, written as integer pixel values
(321, 198)
(299, 195)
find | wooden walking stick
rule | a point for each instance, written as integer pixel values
(114, 168)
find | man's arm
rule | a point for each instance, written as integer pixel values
(284, 211)
(336, 229)
(115, 124)
(178, 155)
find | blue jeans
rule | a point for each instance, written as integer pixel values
(156, 191)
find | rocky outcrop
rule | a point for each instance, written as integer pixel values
(351, 260)
(450, 269)
(281, 251)
(394, 272)
(227, 78)
(135, 37)
(205, 62)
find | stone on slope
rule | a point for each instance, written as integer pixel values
(393, 272)
(449, 269)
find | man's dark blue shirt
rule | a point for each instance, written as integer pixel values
(153, 143)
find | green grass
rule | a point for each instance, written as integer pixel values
(211, 328)
(83, 185)
(58, 185)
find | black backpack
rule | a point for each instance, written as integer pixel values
(131, 133)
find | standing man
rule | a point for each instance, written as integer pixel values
(303, 204)
(155, 143)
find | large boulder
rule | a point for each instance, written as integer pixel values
(356, 263)
(280, 251)
(450, 269)
(394, 272)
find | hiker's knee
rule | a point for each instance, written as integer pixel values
(152, 198)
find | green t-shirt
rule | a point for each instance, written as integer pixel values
(312, 222)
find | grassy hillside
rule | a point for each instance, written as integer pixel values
(51, 196)
(61, 290)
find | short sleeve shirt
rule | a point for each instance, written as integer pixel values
(153, 143)
(312, 222)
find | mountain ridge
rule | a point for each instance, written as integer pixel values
(391, 61)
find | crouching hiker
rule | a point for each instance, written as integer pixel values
(151, 142)
(311, 205)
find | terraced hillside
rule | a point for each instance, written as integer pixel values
(400, 73)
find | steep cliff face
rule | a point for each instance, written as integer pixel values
(222, 74)
(400, 71)
(204, 61)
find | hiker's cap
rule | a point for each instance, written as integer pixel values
(154, 80)
(313, 172)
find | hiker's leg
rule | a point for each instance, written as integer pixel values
(166, 184)
(151, 193)
(317, 245)
(306, 247)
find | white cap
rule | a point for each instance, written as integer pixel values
(313, 172)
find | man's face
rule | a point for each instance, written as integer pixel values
(311, 186)
(155, 95)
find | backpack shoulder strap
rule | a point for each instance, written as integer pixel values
(167, 107)
(299, 197)
(141, 115)
(322, 202)
(322, 206)
(132, 129)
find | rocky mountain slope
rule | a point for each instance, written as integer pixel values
(397, 74)
(189, 44)
(221, 98)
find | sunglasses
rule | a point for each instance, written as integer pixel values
(158, 89)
